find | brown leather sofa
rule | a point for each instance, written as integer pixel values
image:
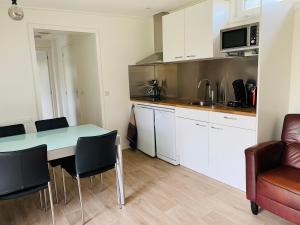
(273, 173)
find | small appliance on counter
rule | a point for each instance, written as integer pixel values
(153, 90)
(251, 89)
(245, 95)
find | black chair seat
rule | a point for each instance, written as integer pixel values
(24, 172)
(93, 155)
(24, 192)
(69, 165)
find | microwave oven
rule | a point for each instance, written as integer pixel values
(240, 39)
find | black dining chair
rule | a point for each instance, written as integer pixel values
(25, 172)
(51, 124)
(12, 130)
(93, 155)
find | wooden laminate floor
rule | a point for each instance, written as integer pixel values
(157, 194)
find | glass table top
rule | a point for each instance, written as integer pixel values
(54, 139)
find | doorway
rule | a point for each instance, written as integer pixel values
(73, 89)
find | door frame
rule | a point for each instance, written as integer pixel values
(51, 79)
(33, 26)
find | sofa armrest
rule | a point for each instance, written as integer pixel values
(261, 158)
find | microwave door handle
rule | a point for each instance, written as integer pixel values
(248, 35)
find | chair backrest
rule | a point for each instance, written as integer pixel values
(11, 130)
(23, 169)
(291, 136)
(43, 125)
(94, 153)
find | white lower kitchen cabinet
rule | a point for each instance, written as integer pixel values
(192, 144)
(211, 143)
(227, 160)
(165, 135)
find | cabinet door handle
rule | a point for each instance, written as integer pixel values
(178, 57)
(200, 125)
(230, 118)
(191, 56)
(216, 128)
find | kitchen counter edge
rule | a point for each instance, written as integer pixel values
(220, 109)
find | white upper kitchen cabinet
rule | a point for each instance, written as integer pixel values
(197, 36)
(198, 31)
(173, 36)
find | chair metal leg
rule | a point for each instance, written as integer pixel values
(45, 198)
(55, 185)
(51, 203)
(64, 184)
(41, 199)
(80, 198)
(118, 190)
(91, 181)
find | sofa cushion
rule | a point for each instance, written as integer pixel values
(281, 185)
(291, 155)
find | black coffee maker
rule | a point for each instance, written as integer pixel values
(240, 94)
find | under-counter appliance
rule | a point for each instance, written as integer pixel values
(144, 116)
(156, 132)
(240, 39)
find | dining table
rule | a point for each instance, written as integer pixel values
(61, 143)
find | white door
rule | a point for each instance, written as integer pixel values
(45, 85)
(199, 39)
(71, 85)
(165, 133)
(173, 36)
(227, 158)
(145, 127)
(192, 144)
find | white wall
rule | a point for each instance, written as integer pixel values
(123, 41)
(294, 105)
(274, 67)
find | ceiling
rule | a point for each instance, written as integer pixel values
(123, 7)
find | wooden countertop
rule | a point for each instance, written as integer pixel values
(185, 104)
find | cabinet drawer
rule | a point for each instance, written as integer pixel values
(192, 114)
(245, 122)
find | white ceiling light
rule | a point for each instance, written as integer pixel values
(15, 12)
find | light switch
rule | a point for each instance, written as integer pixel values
(106, 93)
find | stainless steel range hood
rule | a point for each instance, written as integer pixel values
(156, 57)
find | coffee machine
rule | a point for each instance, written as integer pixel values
(245, 95)
(240, 94)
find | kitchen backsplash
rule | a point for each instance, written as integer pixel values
(181, 80)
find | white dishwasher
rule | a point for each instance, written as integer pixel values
(165, 135)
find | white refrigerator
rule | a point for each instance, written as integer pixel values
(156, 127)
(145, 129)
